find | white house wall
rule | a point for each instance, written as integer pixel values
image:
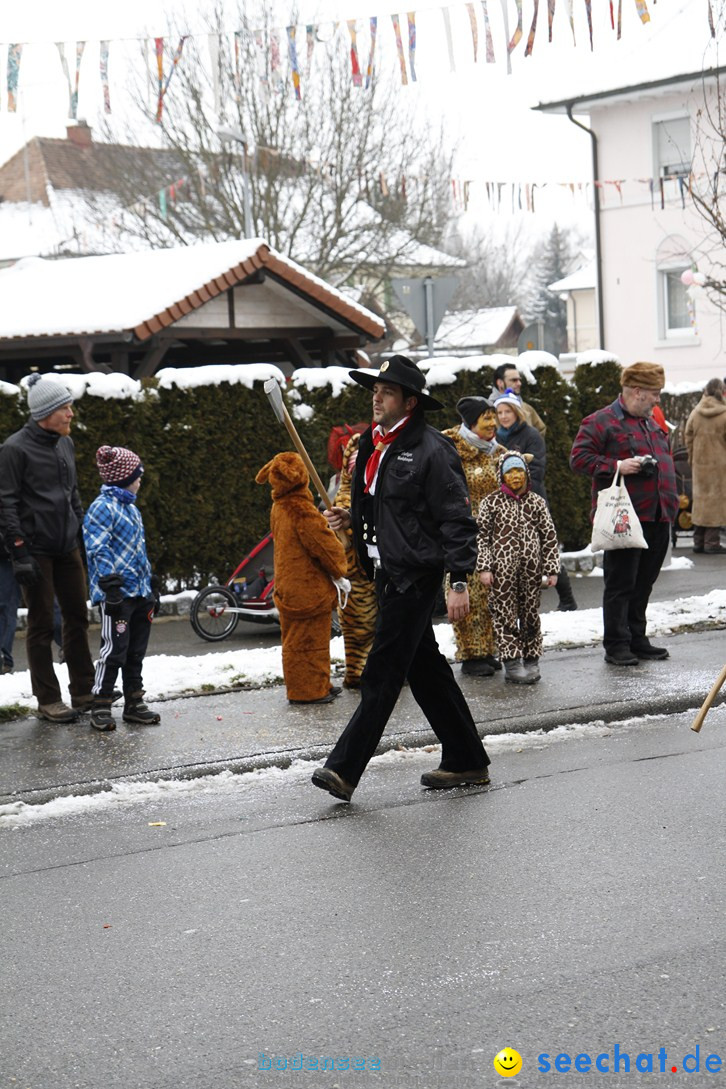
(634, 227)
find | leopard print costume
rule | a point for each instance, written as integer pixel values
(358, 618)
(474, 634)
(518, 543)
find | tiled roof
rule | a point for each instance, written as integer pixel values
(63, 164)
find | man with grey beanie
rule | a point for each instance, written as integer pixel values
(41, 516)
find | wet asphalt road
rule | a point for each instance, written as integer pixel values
(575, 904)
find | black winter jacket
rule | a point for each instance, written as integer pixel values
(39, 499)
(423, 514)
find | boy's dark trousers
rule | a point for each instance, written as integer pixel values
(630, 574)
(124, 640)
(405, 647)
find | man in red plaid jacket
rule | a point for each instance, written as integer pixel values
(625, 432)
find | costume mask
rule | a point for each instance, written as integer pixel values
(516, 480)
(485, 426)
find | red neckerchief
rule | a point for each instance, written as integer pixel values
(381, 441)
(515, 495)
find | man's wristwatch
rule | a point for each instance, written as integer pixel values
(458, 587)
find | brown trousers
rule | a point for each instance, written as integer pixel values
(62, 577)
(306, 655)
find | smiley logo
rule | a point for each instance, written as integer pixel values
(508, 1062)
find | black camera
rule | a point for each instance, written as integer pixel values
(648, 465)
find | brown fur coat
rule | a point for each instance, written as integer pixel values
(706, 443)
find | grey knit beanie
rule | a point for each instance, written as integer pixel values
(45, 395)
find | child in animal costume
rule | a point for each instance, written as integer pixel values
(479, 451)
(358, 618)
(517, 547)
(308, 556)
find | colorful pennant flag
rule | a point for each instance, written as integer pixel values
(292, 52)
(103, 66)
(399, 47)
(532, 31)
(488, 33)
(449, 38)
(371, 55)
(517, 36)
(551, 16)
(163, 85)
(355, 66)
(412, 43)
(474, 29)
(642, 8)
(15, 53)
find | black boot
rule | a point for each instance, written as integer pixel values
(101, 717)
(564, 591)
(135, 710)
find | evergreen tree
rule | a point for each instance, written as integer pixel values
(551, 263)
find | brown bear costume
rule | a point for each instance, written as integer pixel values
(307, 556)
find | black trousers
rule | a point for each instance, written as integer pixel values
(404, 645)
(62, 577)
(124, 640)
(630, 574)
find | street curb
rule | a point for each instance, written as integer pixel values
(546, 721)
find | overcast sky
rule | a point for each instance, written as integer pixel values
(486, 109)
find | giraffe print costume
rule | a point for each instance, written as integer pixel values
(517, 542)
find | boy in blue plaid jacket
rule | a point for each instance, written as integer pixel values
(121, 584)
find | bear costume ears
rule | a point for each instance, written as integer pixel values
(284, 473)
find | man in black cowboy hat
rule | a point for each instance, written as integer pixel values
(411, 521)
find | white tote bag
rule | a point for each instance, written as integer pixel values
(616, 525)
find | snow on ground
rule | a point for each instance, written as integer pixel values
(125, 795)
(167, 676)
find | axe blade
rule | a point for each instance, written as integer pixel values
(274, 395)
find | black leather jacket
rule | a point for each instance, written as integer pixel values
(422, 510)
(39, 500)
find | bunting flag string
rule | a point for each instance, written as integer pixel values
(292, 51)
(399, 47)
(411, 16)
(272, 64)
(371, 55)
(355, 66)
(474, 29)
(103, 68)
(15, 53)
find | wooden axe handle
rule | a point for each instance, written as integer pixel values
(718, 685)
(322, 490)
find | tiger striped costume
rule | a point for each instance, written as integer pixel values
(358, 618)
(474, 634)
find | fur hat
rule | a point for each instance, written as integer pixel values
(643, 375)
(471, 408)
(45, 395)
(118, 466)
(284, 473)
(402, 372)
(509, 397)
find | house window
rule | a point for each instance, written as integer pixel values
(677, 307)
(672, 147)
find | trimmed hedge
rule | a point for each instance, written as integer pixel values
(202, 447)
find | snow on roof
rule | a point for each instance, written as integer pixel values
(581, 279)
(121, 292)
(474, 328)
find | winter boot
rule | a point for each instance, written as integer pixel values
(531, 668)
(514, 671)
(101, 717)
(564, 591)
(135, 710)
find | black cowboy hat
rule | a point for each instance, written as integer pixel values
(401, 372)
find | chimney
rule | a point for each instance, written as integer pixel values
(80, 134)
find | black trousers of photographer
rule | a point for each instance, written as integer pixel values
(124, 640)
(630, 574)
